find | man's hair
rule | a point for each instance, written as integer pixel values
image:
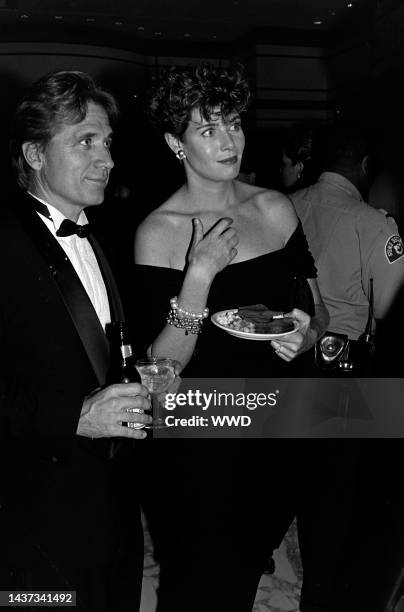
(57, 99)
(298, 144)
(180, 90)
(345, 148)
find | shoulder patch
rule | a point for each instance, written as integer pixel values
(394, 248)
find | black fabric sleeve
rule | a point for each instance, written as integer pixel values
(28, 419)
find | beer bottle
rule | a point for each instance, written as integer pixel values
(122, 368)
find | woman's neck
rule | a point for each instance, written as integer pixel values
(209, 195)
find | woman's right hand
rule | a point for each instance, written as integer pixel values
(212, 252)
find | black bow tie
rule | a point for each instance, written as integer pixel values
(68, 227)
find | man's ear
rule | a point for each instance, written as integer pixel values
(365, 165)
(33, 155)
(173, 142)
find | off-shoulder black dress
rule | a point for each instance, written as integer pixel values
(217, 508)
(267, 279)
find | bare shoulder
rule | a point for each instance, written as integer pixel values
(154, 235)
(275, 209)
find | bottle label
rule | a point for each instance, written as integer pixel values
(126, 351)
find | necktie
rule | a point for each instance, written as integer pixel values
(68, 227)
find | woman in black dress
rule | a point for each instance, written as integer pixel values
(218, 243)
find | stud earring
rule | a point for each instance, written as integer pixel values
(180, 154)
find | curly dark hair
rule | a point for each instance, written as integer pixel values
(55, 99)
(179, 90)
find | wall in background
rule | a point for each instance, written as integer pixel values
(292, 85)
(369, 68)
(23, 63)
(296, 82)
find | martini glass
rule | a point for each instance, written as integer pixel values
(157, 374)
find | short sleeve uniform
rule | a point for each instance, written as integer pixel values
(351, 243)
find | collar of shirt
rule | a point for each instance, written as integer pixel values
(82, 257)
(339, 181)
(57, 218)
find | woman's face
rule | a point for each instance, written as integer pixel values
(290, 172)
(214, 148)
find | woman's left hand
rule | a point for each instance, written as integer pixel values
(289, 347)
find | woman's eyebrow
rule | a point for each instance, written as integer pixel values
(206, 125)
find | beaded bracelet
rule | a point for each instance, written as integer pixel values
(193, 315)
(194, 326)
(190, 321)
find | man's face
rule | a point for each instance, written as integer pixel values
(289, 172)
(75, 165)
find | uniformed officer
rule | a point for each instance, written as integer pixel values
(351, 243)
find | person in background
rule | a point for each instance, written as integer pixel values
(387, 188)
(351, 243)
(218, 243)
(69, 516)
(300, 163)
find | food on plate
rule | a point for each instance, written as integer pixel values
(234, 321)
(265, 320)
(256, 319)
(279, 326)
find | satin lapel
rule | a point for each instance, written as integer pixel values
(71, 290)
(115, 304)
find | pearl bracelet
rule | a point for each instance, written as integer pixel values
(188, 324)
(186, 313)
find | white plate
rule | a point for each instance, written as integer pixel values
(248, 335)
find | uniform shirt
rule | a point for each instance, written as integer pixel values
(351, 242)
(83, 260)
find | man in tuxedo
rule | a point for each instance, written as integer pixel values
(69, 518)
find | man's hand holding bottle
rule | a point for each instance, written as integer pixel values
(115, 411)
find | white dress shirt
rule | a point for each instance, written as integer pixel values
(82, 258)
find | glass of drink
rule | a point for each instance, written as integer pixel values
(157, 374)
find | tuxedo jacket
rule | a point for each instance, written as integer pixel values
(60, 492)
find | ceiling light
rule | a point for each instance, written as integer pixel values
(350, 4)
(317, 22)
